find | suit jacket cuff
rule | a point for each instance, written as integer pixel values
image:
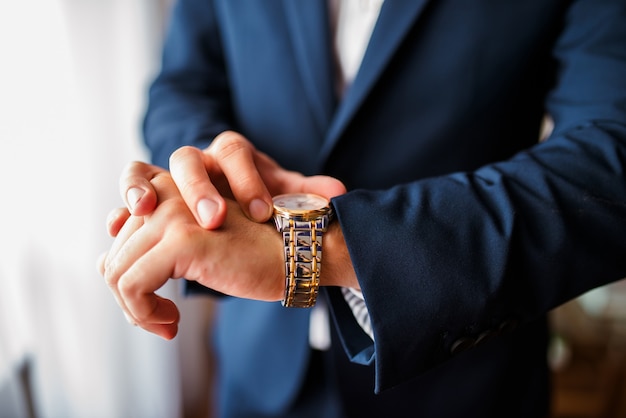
(357, 344)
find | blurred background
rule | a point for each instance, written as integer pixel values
(73, 81)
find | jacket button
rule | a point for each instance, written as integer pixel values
(461, 344)
(484, 336)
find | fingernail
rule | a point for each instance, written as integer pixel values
(206, 210)
(259, 210)
(133, 196)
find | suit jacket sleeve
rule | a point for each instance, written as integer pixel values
(458, 255)
(189, 100)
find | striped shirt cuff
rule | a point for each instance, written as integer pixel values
(356, 302)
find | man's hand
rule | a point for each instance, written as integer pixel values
(243, 258)
(230, 168)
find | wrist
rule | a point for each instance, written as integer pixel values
(337, 268)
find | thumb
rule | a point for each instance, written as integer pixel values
(280, 180)
(325, 186)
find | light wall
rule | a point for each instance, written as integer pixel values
(72, 91)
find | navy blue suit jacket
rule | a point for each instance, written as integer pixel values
(458, 222)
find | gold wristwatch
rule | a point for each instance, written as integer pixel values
(302, 218)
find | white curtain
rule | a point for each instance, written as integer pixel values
(73, 77)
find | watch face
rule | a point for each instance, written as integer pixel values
(300, 202)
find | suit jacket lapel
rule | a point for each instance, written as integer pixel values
(395, 20)
(309, 26)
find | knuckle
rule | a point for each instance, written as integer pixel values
(182, 154)
(130, 173)
(133, 166)
(109, 278)
(191, 185)
(111, 272)
(229, 145)
(127, 288)
(236, 157)
(246, 183)
(184, 233)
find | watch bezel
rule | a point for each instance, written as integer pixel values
(301, 214)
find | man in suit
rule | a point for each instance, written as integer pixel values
(459, 228)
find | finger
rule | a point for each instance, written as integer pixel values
(100, 265)
(166, 331)
(132, 244)
(126, 232)
(326, 186)
(281, 181)
(129, 252)
(116, 219)
(135, 187)
(234, 155)
(188, 170)
(112, 264)
(137, 287)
